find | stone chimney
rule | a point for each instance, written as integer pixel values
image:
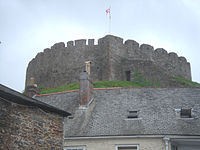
(87, 66)
(86, 89)
(31, 89)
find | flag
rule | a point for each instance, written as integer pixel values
(108, 11)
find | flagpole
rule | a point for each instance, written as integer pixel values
(109, 22)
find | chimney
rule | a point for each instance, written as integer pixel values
(87, 66)
(86, 89)
(31, 89)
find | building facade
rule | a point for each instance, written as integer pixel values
(27, 123)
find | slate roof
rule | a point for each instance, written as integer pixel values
(16, 97)
(107, 114)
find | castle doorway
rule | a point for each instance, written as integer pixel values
(128, 75)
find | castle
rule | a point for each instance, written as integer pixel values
(111, 59)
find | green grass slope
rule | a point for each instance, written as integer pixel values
(186, 83)
(140, 81)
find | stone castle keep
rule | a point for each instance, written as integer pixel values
(111, 59)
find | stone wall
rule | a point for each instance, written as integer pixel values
(62, 64)
(23, 127)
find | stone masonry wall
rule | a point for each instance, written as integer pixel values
(23, 127)
(62, 64)
(170, 62)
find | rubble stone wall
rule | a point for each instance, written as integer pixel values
(23, 127)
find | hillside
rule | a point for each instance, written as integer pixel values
(139, 82)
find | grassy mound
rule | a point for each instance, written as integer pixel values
(186, 83)
(68, 87)
(140, 81)
(98, 84)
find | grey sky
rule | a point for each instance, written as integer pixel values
(29, 26)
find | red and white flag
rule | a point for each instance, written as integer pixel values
(108, 11)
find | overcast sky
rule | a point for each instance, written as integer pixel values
(29, 26)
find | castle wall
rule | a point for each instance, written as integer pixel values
(132, 48)
(62, 64)
(170, 62)
(146, 69)
(174, 65)
(114, 50)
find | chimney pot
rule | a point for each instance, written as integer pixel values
(87, 66)
(32, 89)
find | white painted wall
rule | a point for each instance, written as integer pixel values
(110, 144)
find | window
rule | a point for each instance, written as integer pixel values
(75, 148)
(132, 114)
(174, 147)
(186, 113)
(127, 147)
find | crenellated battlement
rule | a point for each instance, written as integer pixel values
(70, 44)
(58, 45)
(76, 43)
(132, 46)
(80, 43)
(62, 63)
